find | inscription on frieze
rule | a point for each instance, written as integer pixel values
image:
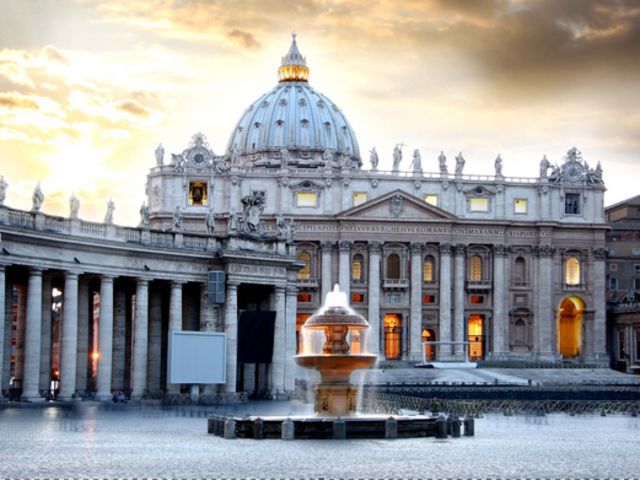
(257, 270)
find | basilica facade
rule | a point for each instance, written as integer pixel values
(446, 266)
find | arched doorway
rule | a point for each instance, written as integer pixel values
(392, 336)
(428, 335)
(570, 326)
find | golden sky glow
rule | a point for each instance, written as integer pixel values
(89, 88)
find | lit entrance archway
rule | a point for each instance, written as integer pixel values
(428, 335)
(475, 333)
(570, 326)
(392, 336)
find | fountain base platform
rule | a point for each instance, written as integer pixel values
(289, 428)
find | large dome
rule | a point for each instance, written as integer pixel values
(295, 123)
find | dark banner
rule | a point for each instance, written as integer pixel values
(255, 336)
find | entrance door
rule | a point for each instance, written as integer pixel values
(393, 336)
(429, 349)
(570, 326)
(475, 332)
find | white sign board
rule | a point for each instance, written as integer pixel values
(197, 357)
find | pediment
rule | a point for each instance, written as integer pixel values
(396, 205)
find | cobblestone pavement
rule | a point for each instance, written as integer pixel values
(138, 442)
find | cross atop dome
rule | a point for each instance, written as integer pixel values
(294, 66)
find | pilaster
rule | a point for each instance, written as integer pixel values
(327, 256)
(444, 323)
(375, 250)
(278, 361)
(546, 321)
(344, 267)
(231, 329)
(458, 300)
(415, 320)
(500, 291)
(600, 306)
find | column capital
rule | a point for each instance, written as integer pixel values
(600, 253)
(445, 248)
(375, 247)
(327, 247)
(233, 283)
(35, 271)
(291, 291)
(344, 245)
(71, 274)
(416, 247)
(179, 283)
(107, 278)
(280, 289)
(460, 248)
(500, 250)
(143, 281)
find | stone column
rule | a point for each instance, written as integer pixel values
(121, 343)
(327, 252)
(45, 333)
(290, 338)
(82, 355)
(140, 340)
(154, 358)
(600, 307)
(458, 300)
(500, 291)
(105, 338)
(231, 329)
(69, 344)
(375, 249)
(3, 319)
(444, 323)
(546, 320)
(175, 323)
(278, 361)
(344, 267)
(415, 318)
(31, 369)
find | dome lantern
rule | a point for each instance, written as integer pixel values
(294, 66)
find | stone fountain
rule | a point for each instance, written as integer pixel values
(339, 327)
(334, 343)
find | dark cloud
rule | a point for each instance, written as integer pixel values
(17, 100)
(244, 39)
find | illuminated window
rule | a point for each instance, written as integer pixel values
(359, 198)
(572, 204)
(431, 199)
(304, 297)
(520, 205)
(572, 271)
(427, 269)
(429, 299)
(393, 266)
(306, 199)
(476, 299)
(357, 298)
(475, 269)
(356, 268)
(429, 349)
(197, 193)
(305, 272)
(478, 204)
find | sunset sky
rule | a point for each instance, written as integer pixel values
(88, 88)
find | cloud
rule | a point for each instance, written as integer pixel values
(244, 39)
(134, 108)
(17, 100)
(16, 74)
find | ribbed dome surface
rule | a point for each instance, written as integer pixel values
(293, 115)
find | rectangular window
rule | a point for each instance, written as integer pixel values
(197, 193)
(304, 297)
(636, 267)
(613, 283)
(520, 205)
(478, 204)
(306, 199)
(429, 299)
(476, 299)
(359, 198)
(431, 199)
(357, 297)
(636, 283)
(572, 204)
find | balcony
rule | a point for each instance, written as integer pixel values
(478, 284)
(311, 282)
(395, 283)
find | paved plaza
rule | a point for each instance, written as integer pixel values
(92, 441)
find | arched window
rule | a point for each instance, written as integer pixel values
(393, 266)
(357, 265)
(572, 271)
(427, 269)
(429, 349)
(475, 268)
(305, 272)
(520, 270)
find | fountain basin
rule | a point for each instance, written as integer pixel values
(336, 368)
